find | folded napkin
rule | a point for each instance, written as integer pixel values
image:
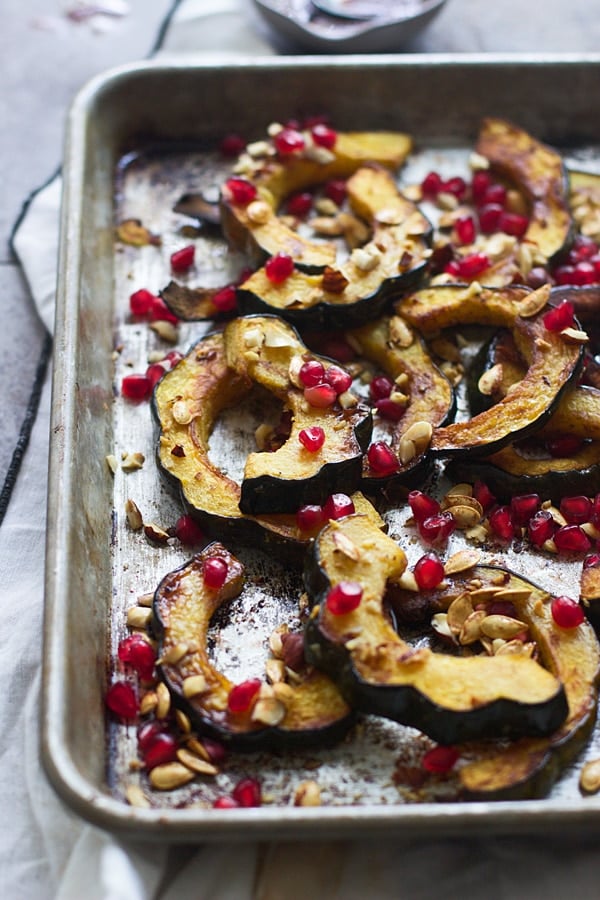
(48, 851)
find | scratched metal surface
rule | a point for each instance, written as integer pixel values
(98, 567)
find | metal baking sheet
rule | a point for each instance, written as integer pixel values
(96, 566)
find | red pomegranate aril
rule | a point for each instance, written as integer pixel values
(432, 184)
(571, 539)
(563, 446)
(279, 268)
(564, 274)
(147, 733)
(380, 387)
(513, 224)
(188, 531)
(495, 193)
(567, 613)
(323, 135)
(483, 495)
(501, 523)
(242, 696)
(338, 378)
(523, 507)
(440, 759)
(312, 438)
(141, 302)
(136, 387)
(464, 229)
(225, 299)
(337, 506)
(584, 273)
(456, 186)
(216, 752)
(214, 572)
(422, 505)
(595, 261)
(289, 141)
(591, 561)
(335, 190)
(344, 598)
(225, 803)
(121, 699)
(489, 216)
(452, 268)
(479, 184)
(311, 373)
(584, 247)
(428, 571)
(576, 510)
(231, 145)
(137, 653)
(240, 191)
(560, 317)
(247, 793)
(541, 527)
(173, 357)
(381, 458)
(160, 312)
(299, 205)
(321, 396)
(537, 277)
(161, 750)
(389, 409)
(472, 265)
(309, 517)
(154, 373)
(437, 529)
(182, 260)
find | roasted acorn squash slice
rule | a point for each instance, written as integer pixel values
(307, 712)
(266, 350)
(553, 360)
(450, 698)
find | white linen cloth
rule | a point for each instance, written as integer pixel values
(50, 853)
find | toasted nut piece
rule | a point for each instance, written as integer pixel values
(167, 331)
(133, 514)
(366, 258)
(174, 654)
(346, 546)
(420, 433)
(275, 669)
(471, 627)
(459, 611)
(136, 797)
(439, 623)
(275, 642)
(308, 793)
(156, 534)
(534, 302)
(401, 334)
(498, 626)
(132, 461)
(461, 561)
(258, 212)
(283, 692)
(591, 530)
(334, 281)
(408, 582)
(445, 349)
(589, 778)
(185, 726)
(347, 400)
(138, 617)
(195, 763)
(490, 380)
(145, 599)
(163, 705)
(148, 703)
(269, 711)
(112, 462)
(575, 336)
(194, 685)
(170, 776)
(181, 412)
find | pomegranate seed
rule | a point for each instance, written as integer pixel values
(595, 514)
(217, 753)
(173, 357)
(225, 299)
(311, 373)
(501, 523)
(279, 268)
(288, 141)
(513, 224)
(154, 373)
(240, 191)
(162, 749)
(141, 302)
(247, 792)
(137, 653)
(242, 695)
(183, 259)
(584, 273)
(335, 190)
(560, 317)
(337, 506)
(299, 205)
(188, 531)
(312, 438)
(381, 458)
(136, 387)
(472, 265)
(495, 193)
(537, 277)
(437, 529)
(344, 598)
(147, 732)
(440, 759)
(380, 387)
(489, 216)
(456, 186)
(309, 517)
(523, 507)
(338, 378)
(464, 229)
(321, 395)
(160, 312)
(541, 527)
(479, 184)
(567, 613)
(564, 274)
(428, 571)
(214, 572)
(389, 409)
(422, 505)
(452, 268)
(595, 261)
(576, 510)
(564, 445)
(121, 699)
(584, 247)
(591, 561)
(232, 145)
(571, 539)
(324, 136)
(483, 495)
(225, 803)
(431, 184)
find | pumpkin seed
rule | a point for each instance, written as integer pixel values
(194, 685)
(461, 561)
(269, 711)
(307, 793)
(498, 626)
(170, 776)
(195, 763)
(138, 617)
(163, 705)
(459, 611)
(136, 797)
(471, 628)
